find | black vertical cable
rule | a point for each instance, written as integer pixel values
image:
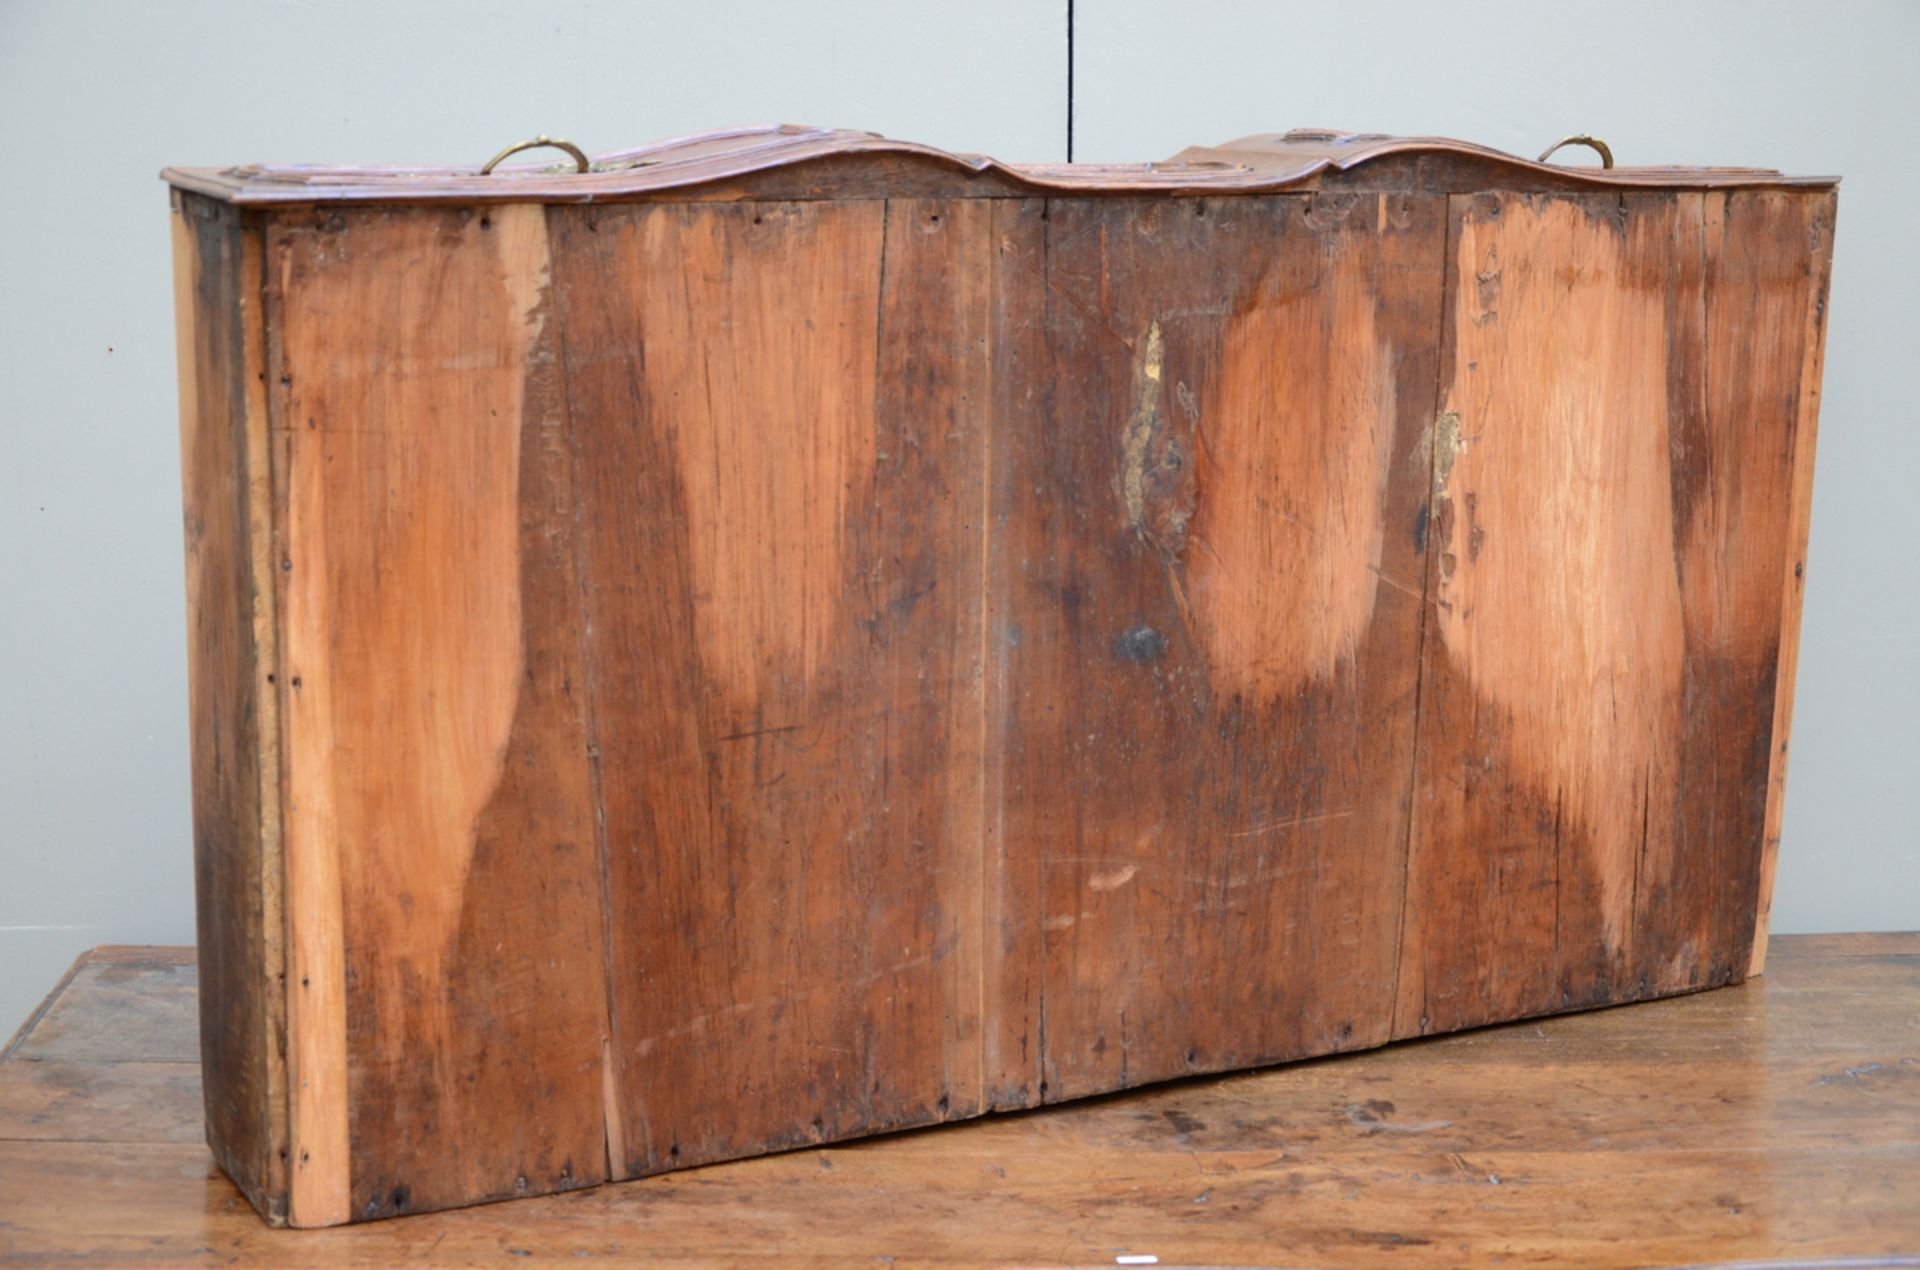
(1069, 81)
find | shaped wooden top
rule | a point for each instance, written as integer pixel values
(788, 160)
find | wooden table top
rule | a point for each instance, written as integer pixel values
(1776, 1122)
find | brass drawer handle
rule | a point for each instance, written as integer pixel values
(543, 140)
(1581, 139)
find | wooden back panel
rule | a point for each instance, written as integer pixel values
(781, 456)
(434, 707)
(1216, 588)
(1611, 529)
(748, 673)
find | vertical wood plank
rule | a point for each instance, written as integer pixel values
(1676, 872)
(780, 418)
(1214, 576)
(1552, 684)
(318, 1117)
(1614, 486)
(218, 290)
(1012, 903)
(1769, 258)
(438, 793)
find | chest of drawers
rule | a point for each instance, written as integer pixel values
(788, 635)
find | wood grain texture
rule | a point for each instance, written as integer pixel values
(119, 1011)
(739, 672)
(780, 418)
(226, 504)
(1777, 1121)
(83, 1100)
(1756, 295)
(1551, 690)
(1211, 655)
(1612, 500)
(1012, 898)
(436, 737)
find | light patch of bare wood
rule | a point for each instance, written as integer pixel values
(763, 383)
(1557, 596)
(1305, 384)
(403, 626)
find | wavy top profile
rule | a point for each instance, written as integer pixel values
(1300, 159)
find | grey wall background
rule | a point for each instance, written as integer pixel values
(94, 839)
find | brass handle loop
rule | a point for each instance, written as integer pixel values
(540, 142)
(1594, 144)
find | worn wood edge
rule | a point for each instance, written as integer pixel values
(21, 1033)
(318, 1181)
(260, 559)
(264, 1187)
(1793, 573)
(1253, 165)
(143, 955)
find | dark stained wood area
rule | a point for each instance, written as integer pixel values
(1777, 1122)
(1216, 657)
(226, 508)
